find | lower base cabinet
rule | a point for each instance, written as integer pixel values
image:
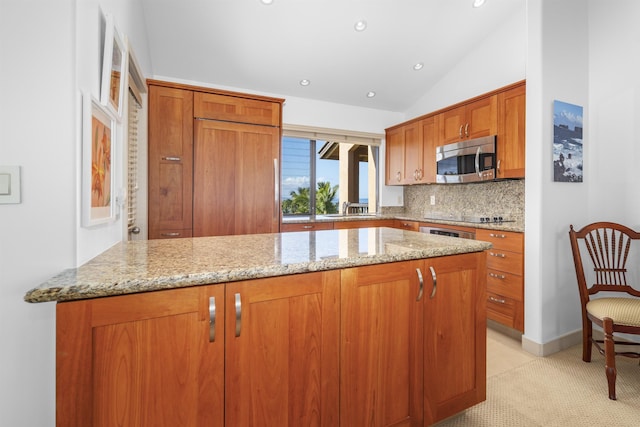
(372, 345)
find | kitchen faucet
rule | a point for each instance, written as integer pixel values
(345, 208)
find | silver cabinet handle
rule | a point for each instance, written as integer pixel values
(497, 276)
(238, 315)
(276, 186)
(497, 255)
(498, 300)
(498, 165)
(212, 319)
(466, 129)
(498, 236)
(421, 284)
(435, 282)
(398, 176)
(170, 234)
(172, 159)
(460, 131)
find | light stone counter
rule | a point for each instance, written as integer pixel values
(143, 266)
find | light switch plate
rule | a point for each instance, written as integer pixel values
(9, 184)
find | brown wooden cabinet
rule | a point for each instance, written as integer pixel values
(511, 132)
(454, 335)
(144, 359)
(170, 162)
(381, 346)
(235, 178)
(410, 153)
(473, 120)
(216, 175)
(505, 277)
(306, 226)
(429, 133)
(282, 351)
(363, 223)
(407, 225)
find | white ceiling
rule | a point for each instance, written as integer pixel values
(270, 48)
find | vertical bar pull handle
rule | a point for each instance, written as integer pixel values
(435, 282)
(276, 187)
(238, 315)
(212, 319)
(421, 284)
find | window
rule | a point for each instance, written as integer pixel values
(324, 169)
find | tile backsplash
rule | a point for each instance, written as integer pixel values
(505, 198)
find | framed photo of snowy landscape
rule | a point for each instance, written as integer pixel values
(567, 142)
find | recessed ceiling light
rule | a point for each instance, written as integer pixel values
(266, 1)
(478, 3)
(371, 94)
(305, 82)
(360, 25)
(418, 66)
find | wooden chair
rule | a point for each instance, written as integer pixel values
(607, 245)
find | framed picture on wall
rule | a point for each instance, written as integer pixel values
(98, 175)
(567, 142)
(114, 64)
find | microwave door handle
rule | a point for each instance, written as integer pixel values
(478, 163)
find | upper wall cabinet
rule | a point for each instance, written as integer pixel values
(233, 109)
(473, 120)
(410, 146)
(511, 132)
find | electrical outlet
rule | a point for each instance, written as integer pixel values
(432, 200)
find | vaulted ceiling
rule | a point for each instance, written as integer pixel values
(271, 48)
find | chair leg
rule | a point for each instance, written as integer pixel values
(610, 356)
(586, 340)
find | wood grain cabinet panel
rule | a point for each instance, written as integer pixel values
(511, 132)
(142, 359)
(170, 159)
(473, 120)
(282, 351)
(381, 360)
(237, 109)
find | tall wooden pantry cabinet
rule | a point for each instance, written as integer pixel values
(213, 162)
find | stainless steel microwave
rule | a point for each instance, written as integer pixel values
(466, 161)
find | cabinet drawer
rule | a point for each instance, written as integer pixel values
(507, 240)
(236, 109)
(506, 311)
(509, 262)
(507, 284)
(306, 226)
(363, 224)
(169, 234)
(407, 225)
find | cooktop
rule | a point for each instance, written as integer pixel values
(473, 219)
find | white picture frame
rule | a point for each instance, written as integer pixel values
(114, 69)
(99, 137)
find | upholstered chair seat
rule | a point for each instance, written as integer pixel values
(623, 311)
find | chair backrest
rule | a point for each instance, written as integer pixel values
(608, 245)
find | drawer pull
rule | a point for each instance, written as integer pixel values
(435, 282)
(170, 234)
(498, 236)
(306, 227)
(238, 315)
(497, 255)
(497, 276)
(172, 159)
(498, 300)
(212, 319)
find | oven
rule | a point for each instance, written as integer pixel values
(466, 161)
(443, 231)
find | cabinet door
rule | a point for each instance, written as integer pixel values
(412, 168)
(511, 133)
(170, 160)
(394, 153)
(235, 179)
(282, 343)
(454, 335)
(237, 109)
(381, 346)
(151, 359)
(482, 117)
(429, 133)
(451, 125)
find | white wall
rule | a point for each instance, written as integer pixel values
(48, 55)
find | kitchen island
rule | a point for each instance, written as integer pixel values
(373, 326)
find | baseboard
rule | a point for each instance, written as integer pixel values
(505, 330)
(561, 343)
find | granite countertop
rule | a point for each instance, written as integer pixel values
(515, 226)
(143, 266)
